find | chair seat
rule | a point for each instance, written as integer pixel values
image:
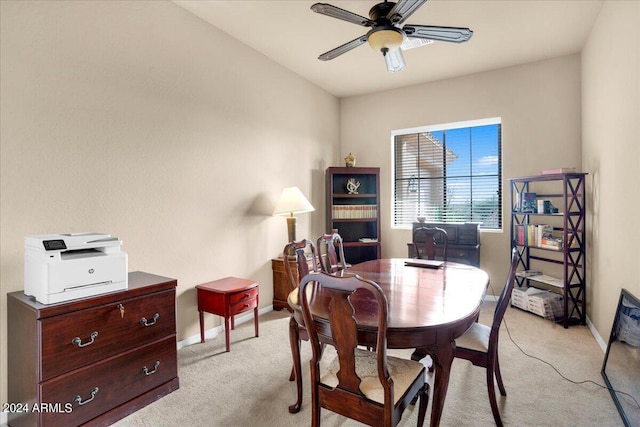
(402, 371)
(476, 338)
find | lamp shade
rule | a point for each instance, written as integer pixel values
(292, 201)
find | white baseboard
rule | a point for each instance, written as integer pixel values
(602, 343)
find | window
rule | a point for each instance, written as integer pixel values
(449, 173)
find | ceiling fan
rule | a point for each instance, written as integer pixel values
(385, 34)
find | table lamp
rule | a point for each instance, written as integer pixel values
(292, 201)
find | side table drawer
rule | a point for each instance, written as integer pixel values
(109, 383)
(243, 301)
(79, 338)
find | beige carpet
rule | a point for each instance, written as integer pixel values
(249, 386)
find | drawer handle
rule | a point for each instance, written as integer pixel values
(144, 322)
(79, 400)
(77, 341)
(147, 372)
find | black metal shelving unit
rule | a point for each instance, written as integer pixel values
(566, 192)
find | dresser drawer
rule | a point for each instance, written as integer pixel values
(79, 338)
(464, 256)
(459, 253)
(243, 301)
(107, 384)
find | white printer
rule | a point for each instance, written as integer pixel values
(62, 267)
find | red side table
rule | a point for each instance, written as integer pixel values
(227, 297)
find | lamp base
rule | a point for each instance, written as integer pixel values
(291, 232)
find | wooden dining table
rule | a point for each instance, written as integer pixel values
(428, 309)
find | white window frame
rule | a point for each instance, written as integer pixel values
(438, 127)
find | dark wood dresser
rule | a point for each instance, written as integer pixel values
(463, 241)
(95, 360)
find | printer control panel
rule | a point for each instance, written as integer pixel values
(54, 245)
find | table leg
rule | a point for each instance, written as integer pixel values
(226, 333)
(294, 341)
(233, 322)
(442, 359)
(201, 326)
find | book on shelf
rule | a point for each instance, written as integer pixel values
(546, 207)
(537, 235)
(528, 273)
(551, 243)
(367, 240)
(528, 203)
(554, 171)
(354, 211)
(521, 235)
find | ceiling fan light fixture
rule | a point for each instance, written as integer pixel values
(393, 59)
(385, 34)
(387, 37)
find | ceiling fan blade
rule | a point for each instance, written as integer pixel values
(403, 9)
(345, 15)
(343, 49)
(443, 34)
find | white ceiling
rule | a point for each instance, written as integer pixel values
(505, 33)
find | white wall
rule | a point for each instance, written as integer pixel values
(540, 108)
(140, 120)
(611, 152)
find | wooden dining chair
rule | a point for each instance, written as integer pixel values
(429, 241)
(300, 250)
(367, 386)
(479, 344)
(331, 260)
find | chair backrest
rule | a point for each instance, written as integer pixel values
(341, 330)
(330, 259)
(300, 250)
(427, 241)
(505, 297)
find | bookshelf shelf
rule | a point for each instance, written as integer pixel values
(552, 242)
(543, 278)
